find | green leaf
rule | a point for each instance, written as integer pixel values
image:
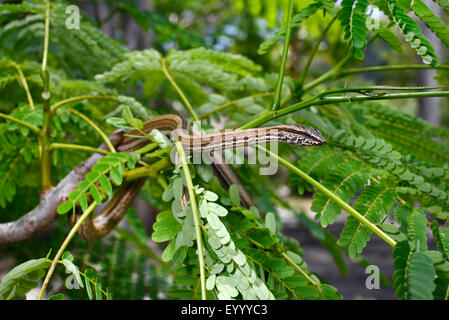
(296, 281)
(204, 210)
(88, 275)
(421, 275)
(169, 251)
(249, 214)
(83, 202)
(187, 280)
(73, 270)
(210, 282)
(129, 118)
(74, 195)
(414, 273)
(115, 175)
(270, 222)
(353, 20)
(168, 193)
(23, 278)
(239, 258)
(217, 268)
(417, 223)
(214, 221)
(106, 185)
(210, 196)
(390, 38)
(373, 203)
(58, 296)
(348, 178)
(234, 195)
(412, 33)
(178, 189)
(165, 228)
(67, 255)
(217, 99)
(307, 292)
(280, 268)
(65, 207)
(226, 286)
(261, 238)
(95, 194)
(179, 256)
(432, 21)
(217, 209)
(98, 293)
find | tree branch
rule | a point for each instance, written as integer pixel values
(34, 129)
(316, 100)
(46, 212)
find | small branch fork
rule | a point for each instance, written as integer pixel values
(46, 212)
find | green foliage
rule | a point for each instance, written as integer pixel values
(353, 20)
(163, 28)
(221, 251)
(405, 132)
(190, 69)
(219, 70)
(114, 165)
(401, 176)
(390, 38)
(443, 75)
(136, 64)
(16, 157)
(412, 33)
(348, 178)
(432, 21)
(296, 21)
(389, 166)
(441, 238)
(97, 50)
(237, 268)
(414, 275)
(23, 278)
(373, 204)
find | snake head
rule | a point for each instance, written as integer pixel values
(302, 135)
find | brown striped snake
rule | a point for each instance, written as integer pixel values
(94, 229)
(97, 227)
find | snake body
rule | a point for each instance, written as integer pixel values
(178, 127)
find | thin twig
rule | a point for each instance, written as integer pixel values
(24, 82)
(68, 146)
(79, 98)
(96, 128)
(278, 89)
(34, 129)
(230, 103)
(333, 197)
(196, 216)
(64, 246)
(349, 72)
(179, 91)
(315, 50)
(44, 139)
(316, 101)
